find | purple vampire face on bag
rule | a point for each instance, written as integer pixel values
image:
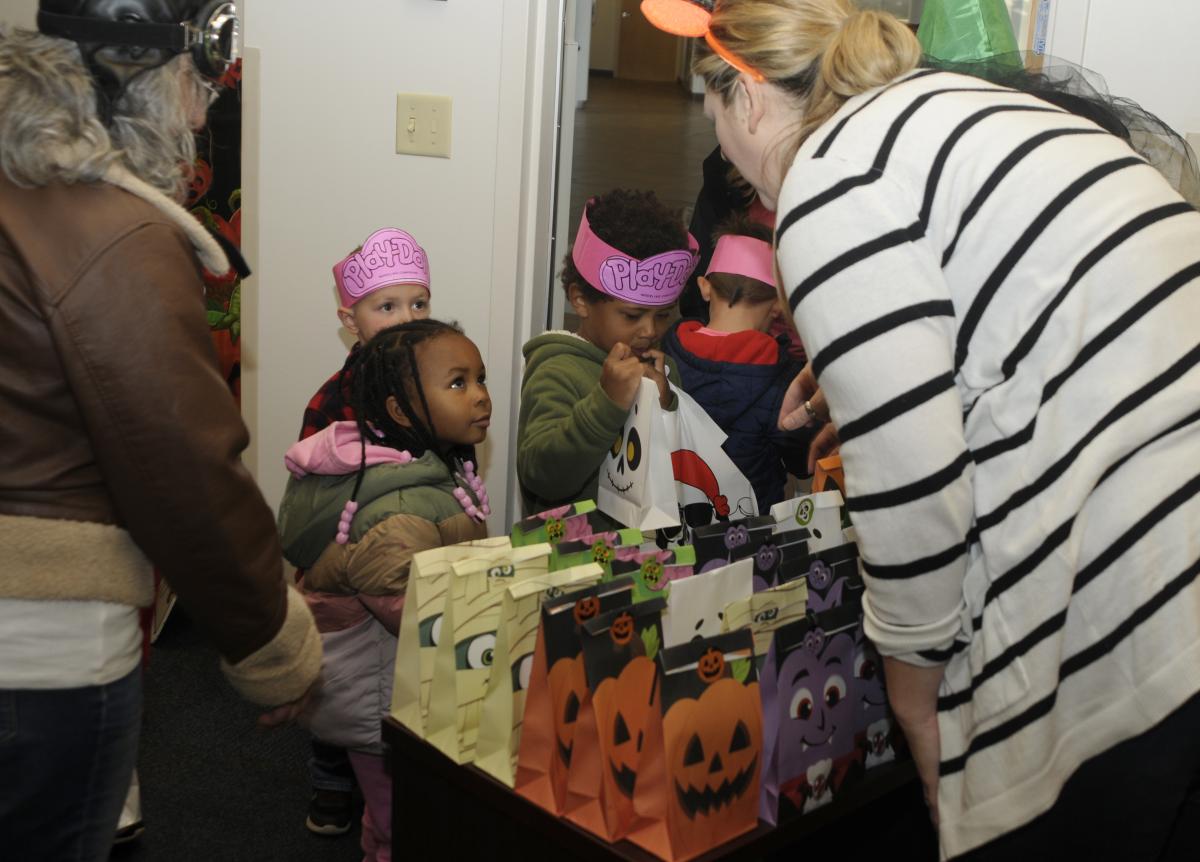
(818, 708)
(868, 680)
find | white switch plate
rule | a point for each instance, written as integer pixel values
(423, 124)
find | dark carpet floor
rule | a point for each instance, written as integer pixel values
(215, 788)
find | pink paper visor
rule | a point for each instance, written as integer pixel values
(388, 256)
(744, 255)
(656, 280)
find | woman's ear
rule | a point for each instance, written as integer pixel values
(393, 409)
(755, 94)
(578, 301)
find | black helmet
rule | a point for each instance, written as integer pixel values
(119, 39)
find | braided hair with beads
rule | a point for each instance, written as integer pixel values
(387, 367)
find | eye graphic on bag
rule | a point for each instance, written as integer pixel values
(802, 704)
(835, 690)
(766, 615)
(430, 631)
(500, 572)
(475, 653)
(522, 669)
(627, 451)
(804, 512)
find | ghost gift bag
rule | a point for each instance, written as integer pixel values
(619, 649)
(637, 487)
(512, 665)
(557, 691)
(696, 606)
(421, 626)
(809, 728)
(466, 649)
(820, 514)
(699, 776)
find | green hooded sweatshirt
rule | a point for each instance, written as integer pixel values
(567, 422)
(312, 506)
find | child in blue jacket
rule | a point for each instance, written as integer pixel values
(734, 369)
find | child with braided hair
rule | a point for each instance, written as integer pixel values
(364, 496)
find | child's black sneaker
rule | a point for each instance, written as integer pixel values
(330, 812)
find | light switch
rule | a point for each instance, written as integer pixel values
(423, 124)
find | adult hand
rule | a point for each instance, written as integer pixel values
(824, 442)
(621, 375)
(913, 692)
(803, 403)
(281, 715)
(656, 370)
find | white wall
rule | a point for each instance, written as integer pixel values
(1148, 51)
(321, 173)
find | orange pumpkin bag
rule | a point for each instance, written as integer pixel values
(558, 690)
(698, 781)
(619, 649)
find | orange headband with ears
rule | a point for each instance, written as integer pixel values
(691, 18)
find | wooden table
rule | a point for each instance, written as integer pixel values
(443, 812)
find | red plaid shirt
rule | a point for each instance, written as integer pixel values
(333, 401)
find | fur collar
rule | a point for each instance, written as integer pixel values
(211, 255)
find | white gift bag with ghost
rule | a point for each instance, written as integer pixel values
(696, 605)
(637, 486)
(820, 514)
(704, 474)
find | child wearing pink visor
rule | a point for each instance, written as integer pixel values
(734, 369)
(383, 282)
(623, 276)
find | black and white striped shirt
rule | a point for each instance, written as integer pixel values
(1002, 305)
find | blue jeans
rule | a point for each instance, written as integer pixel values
(67, 756)
(329, 768)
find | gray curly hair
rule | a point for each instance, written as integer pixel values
(50, 130)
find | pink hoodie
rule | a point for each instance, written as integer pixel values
(337, 451)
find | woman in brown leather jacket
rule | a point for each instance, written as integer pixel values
(120, 445)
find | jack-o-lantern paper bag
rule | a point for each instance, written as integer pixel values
(653, 571)
(820, 514)
(421, 626)
(512, 665)
(466, 651)
(558, 690)
(810, 712)
(619, 648)
(599, 548)
(766, 611)
(637, 484)
(699, 777)
(696, 606)
(727, 542)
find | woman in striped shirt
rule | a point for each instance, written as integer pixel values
(1001, 301)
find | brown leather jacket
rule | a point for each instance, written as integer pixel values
(117, 425)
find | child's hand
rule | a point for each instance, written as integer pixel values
(621, 375)
(656, 370)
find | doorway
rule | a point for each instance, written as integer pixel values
(637, 124)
